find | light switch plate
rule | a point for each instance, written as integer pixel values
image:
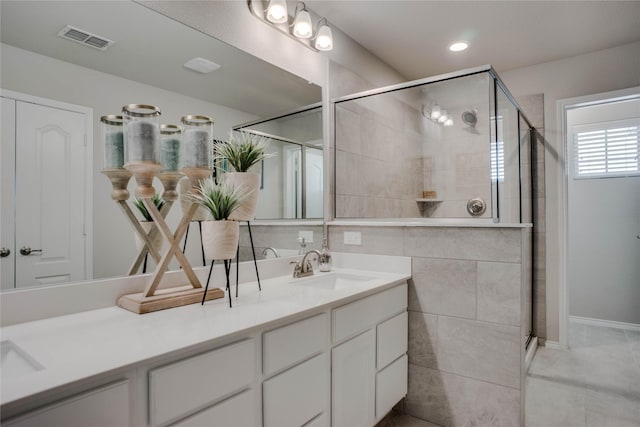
(308, 236)
(352, 238)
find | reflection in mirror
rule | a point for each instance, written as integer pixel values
(292, 178)
(143, 65)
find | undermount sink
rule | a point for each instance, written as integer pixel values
(332, 280)
(15, 361)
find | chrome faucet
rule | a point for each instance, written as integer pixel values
(275, 252)
(304, 268)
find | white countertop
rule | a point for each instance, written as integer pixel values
(82, 345)
(428, 222)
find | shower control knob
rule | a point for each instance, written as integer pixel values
(476, 207)
(4, 252)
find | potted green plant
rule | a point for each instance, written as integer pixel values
(220, 235)
(243, 151)
(147, 221)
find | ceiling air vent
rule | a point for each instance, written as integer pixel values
(86, 38)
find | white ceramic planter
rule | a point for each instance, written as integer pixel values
(220, 239)
(158, 241)
(250, 181)
(202, 214)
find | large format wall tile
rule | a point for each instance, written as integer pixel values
(423, 333)
(499, 286)
(444, 286)
(451, 400)
(485, 244)
(486, 351)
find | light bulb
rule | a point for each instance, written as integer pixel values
(448, 122)
(324, 39)
(443, 117)
(458, 46)
(277, 11)
(435, 112)
(302, 25)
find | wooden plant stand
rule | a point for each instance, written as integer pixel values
(153, 299)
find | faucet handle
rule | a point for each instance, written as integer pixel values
(297, 268)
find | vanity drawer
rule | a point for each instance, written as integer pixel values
(391, 386)
(237, 411)
(296, 396)
(104, 407)
(359, 316)
(392, 337)
(193, 383)
(288, 345)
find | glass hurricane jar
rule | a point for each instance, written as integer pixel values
(196, 141)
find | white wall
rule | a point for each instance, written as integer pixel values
(22, 71)
(596, 72)
(603, 218)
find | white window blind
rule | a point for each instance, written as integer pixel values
(497, 151)
(606, 149)
(497, 161)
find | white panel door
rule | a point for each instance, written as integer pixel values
(50, 189)
(353, 382)
(7, 173)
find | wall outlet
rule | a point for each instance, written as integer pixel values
(352, 238)
(308, 236)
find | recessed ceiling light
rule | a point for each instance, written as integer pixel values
(458, 46)
(201, 65)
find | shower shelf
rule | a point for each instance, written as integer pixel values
(429, 200)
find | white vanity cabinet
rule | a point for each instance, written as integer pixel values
(369, 361)
(334, 364)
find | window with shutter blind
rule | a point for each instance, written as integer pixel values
(608, 149)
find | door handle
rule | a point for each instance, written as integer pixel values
(26, 250)
(4, 252)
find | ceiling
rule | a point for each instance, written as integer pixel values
(412, 36)
(151, 48)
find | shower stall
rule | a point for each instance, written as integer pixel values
(453, 148)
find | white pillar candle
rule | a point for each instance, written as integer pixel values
(170, 154)
(113, 150)
(142, 140)
(196, 153)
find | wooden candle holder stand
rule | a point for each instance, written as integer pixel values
(153, 299)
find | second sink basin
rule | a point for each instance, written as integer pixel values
(332, 280)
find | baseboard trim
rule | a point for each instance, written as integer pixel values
(605, 323)
(531, 351)
(555, 345)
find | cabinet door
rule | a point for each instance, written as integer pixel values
(237, 411)
(353, 376)
(105, 407)
(297, 395)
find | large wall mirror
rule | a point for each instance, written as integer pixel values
(145, 64)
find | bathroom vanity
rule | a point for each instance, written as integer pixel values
(329, 349)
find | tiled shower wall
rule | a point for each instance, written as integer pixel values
(378, 159)
(466, 342)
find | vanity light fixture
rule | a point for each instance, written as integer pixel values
(433, 112)
(324, 38)
(299, 27)
(458, 46)
(302, 27)
(277, 11)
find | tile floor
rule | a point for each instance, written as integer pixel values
(596, 383)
